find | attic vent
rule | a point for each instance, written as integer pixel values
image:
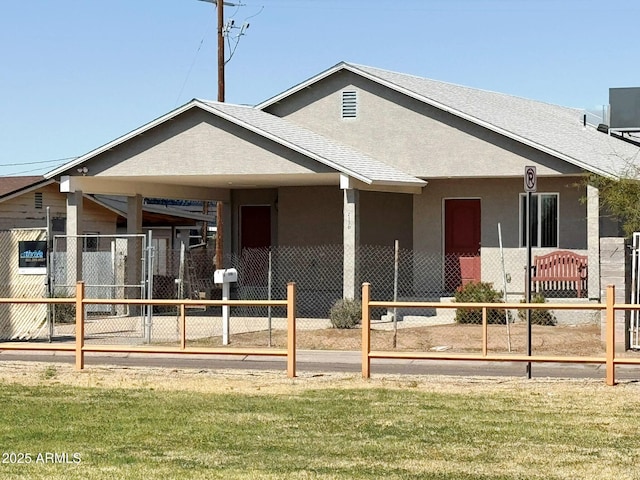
(38, 200)
(349, 104)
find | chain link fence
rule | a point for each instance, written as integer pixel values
(405, 275)
(112, 267)
(127, 267)
(122, 266)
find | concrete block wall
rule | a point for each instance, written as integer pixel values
(615, 270)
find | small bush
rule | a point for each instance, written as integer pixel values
(479, 292)
(63, 312)
(538, 317)
(346, 313)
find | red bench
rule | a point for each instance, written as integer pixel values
(559, 271)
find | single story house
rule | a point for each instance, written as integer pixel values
(359, 156)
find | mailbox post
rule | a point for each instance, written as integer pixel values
(224, 277)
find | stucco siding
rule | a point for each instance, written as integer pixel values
(418, 139)
(313, 216)
(201, 144)
(499, 204)
(385, 218)
(309, 216)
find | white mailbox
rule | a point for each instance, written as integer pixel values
(226, 275)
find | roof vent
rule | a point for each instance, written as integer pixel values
(349, 104)
(38, 200)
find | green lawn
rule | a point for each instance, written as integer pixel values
(348, 430)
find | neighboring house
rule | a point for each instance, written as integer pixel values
(24, 202)
(362, 156)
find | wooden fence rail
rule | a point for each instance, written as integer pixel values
(609, 359)
(81, 348)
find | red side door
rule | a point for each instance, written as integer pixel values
(462, 223)
(255, 226)
(255, 239)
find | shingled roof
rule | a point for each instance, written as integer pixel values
(340, 157)
(9, 185)
(556, 130)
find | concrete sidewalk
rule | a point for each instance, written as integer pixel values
(319, 362)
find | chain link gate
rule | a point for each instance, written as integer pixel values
(23, 275)
(634, 330)
(112, 267)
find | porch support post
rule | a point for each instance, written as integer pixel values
(134, 247)
(134, 214)
(227, 233)
(593, 242)
(74, 244)
(351, 238)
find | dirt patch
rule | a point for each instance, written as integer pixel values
(565, 340)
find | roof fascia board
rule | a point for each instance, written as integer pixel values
(347, 182)
(114, 143)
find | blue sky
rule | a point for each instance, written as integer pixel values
(76, 74)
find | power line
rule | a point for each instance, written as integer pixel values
(20, 164)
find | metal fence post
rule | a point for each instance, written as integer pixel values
(611, 336)
(79, 325)
(291, 330)
(366, 330)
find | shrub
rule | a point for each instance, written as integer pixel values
(538, 317)
(63, 312)
(479, 292)
(346, 313)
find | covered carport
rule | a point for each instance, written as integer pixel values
(278, 183)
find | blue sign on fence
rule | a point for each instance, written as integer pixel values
(33, 257)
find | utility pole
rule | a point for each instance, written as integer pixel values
(219, 205)
(222, 30)
(220, 6)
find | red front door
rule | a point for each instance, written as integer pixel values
(461, 242)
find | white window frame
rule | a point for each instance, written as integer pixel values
(538, 240)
